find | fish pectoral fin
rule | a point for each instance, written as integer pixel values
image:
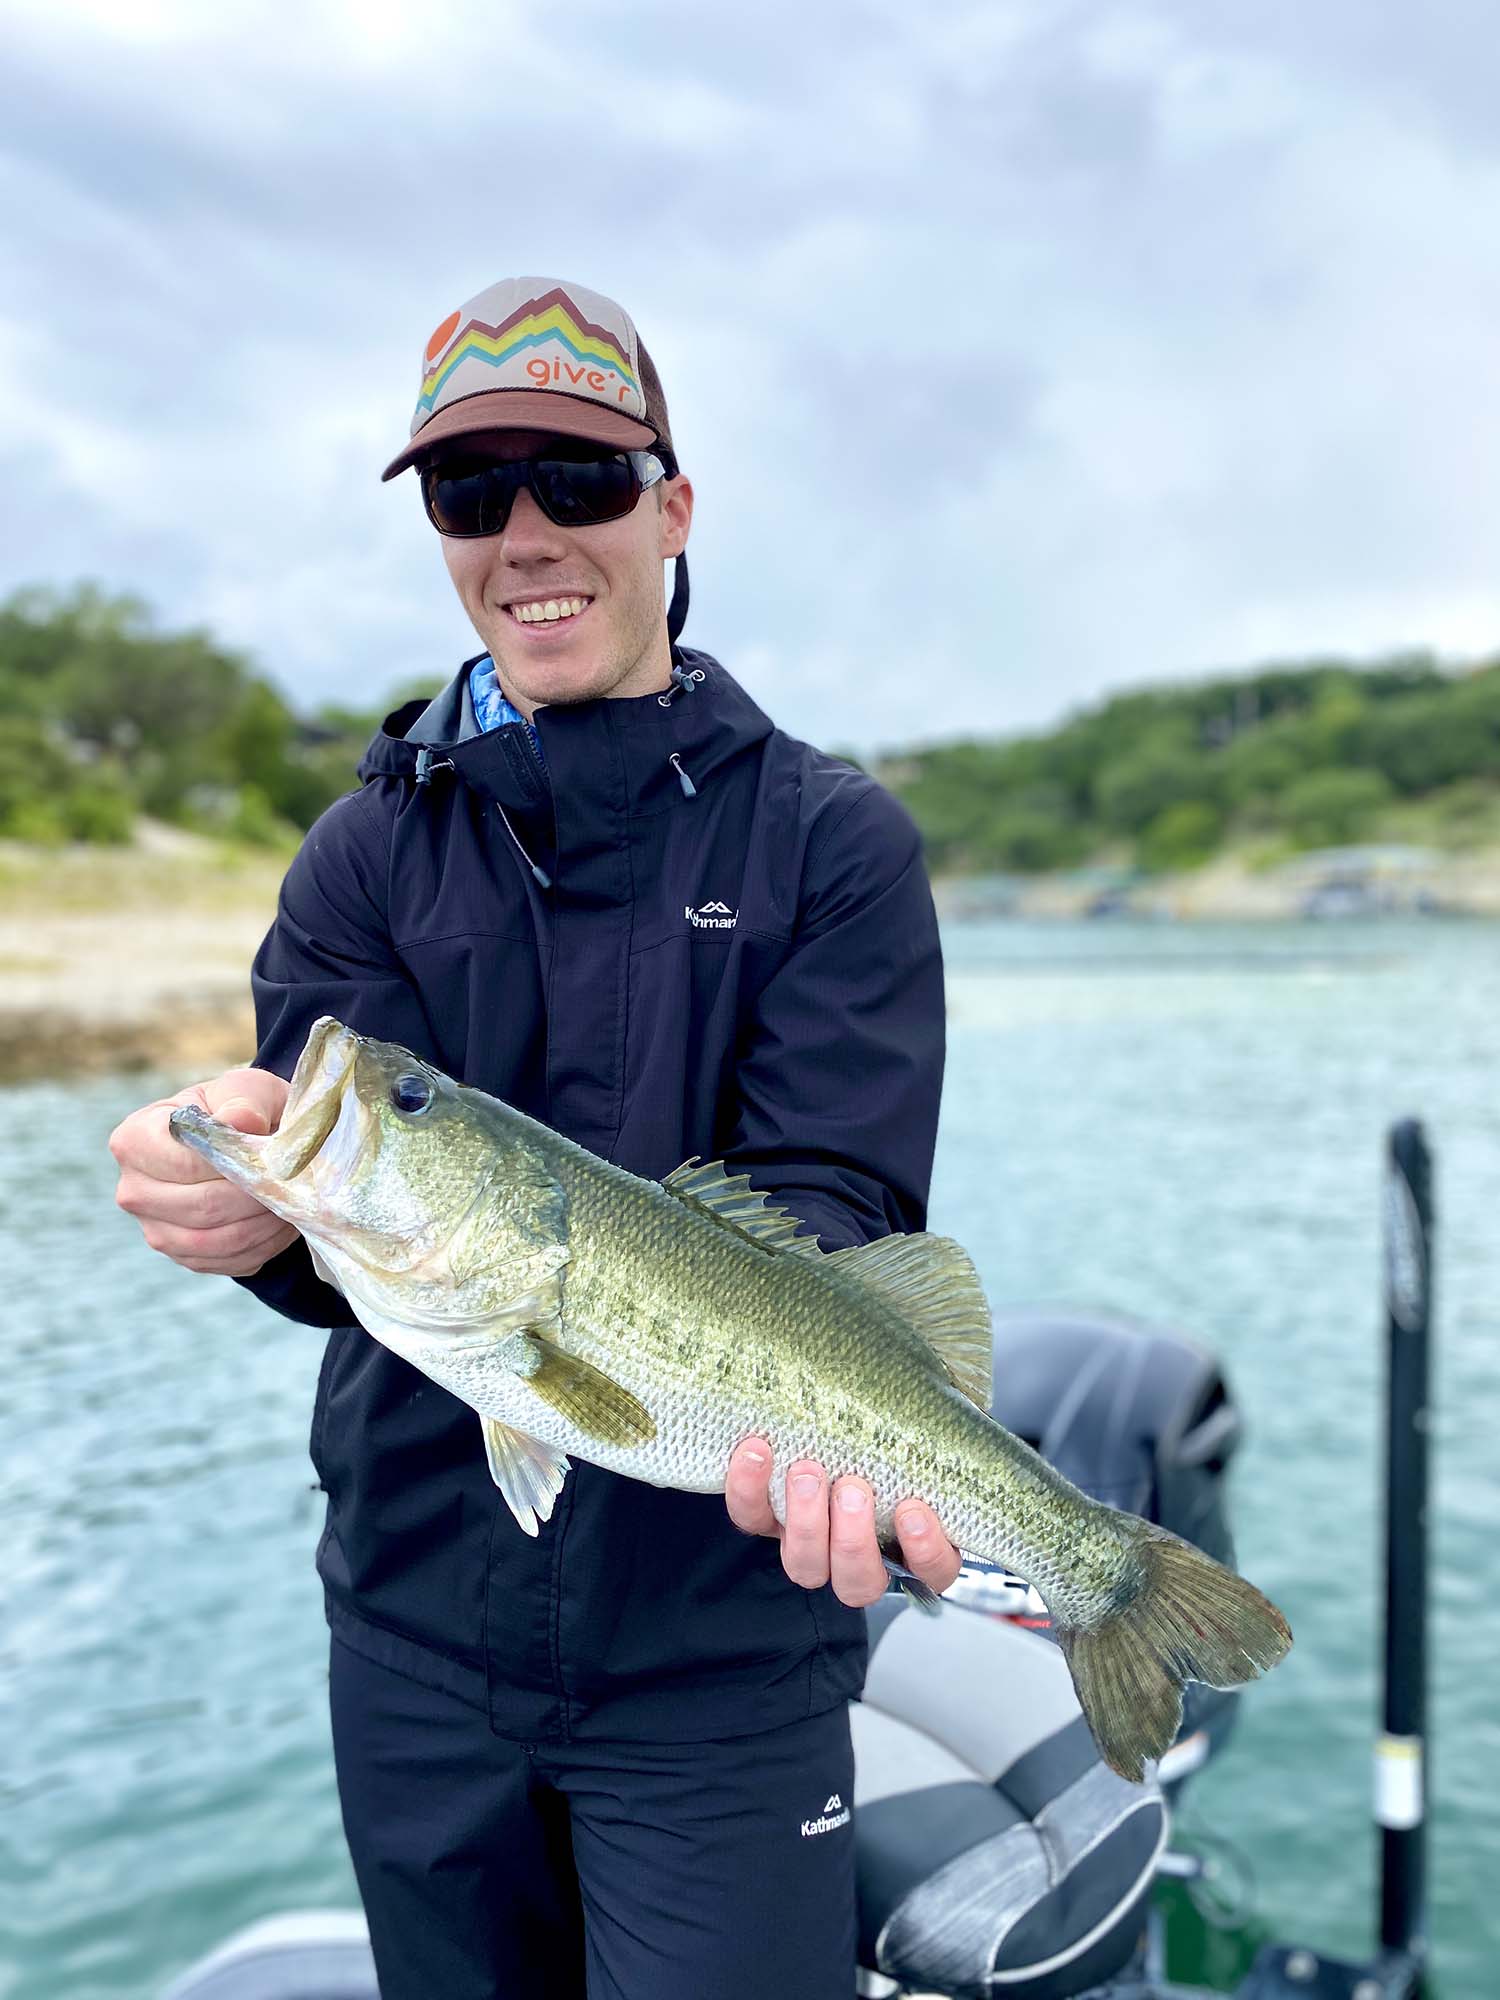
(583, 1394)
(530, 1474)
(932, 1283)
(734, 1204)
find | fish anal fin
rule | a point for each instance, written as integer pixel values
(932, 1283)
(922, 1595)
(529, 1474)
(730, 1201)
(585, 1395)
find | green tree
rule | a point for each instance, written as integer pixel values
(1331, 808)
(1184, 836)
(1146, 780)
(35, 775)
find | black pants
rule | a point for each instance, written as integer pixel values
(493, 1870)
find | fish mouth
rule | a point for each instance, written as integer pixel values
(323, 1074)
(263, 1163)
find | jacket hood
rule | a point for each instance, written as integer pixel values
(664, 746)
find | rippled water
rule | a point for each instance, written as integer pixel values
(1183, 1124)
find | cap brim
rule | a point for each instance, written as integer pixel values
(551, 410)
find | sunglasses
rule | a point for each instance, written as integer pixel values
(469, 497)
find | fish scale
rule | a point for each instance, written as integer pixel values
(807, 1325)
(648, 1327)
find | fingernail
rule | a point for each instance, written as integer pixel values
(805, 1485)
(752, 1455)
(239, 1108)
(911, 1527)
(852, 1499)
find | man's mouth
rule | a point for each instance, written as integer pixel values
(548, 610)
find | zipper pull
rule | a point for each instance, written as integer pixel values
(689, 789)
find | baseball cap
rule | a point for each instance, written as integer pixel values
(538, 354)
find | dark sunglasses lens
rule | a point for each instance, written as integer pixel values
(470, 498)
(576, 492)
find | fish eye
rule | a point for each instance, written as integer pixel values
(411, 1094)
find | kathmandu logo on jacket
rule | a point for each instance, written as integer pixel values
(711, 916)
(834, 1814)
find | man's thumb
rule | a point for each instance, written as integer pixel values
(242, 1115)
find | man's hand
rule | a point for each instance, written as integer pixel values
(187, 1211)
(831, 1537)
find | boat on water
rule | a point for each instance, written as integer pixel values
(996, 1853)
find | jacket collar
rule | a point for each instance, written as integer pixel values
(621, 750)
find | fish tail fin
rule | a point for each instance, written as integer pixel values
(1189, 1619)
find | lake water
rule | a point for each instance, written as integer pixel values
(1182, 1124)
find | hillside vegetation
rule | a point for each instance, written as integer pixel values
(1295, 756)
(104, 717)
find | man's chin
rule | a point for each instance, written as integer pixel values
(539, 682)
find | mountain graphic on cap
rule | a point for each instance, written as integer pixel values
(537, 354)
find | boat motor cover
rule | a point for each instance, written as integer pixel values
(995, 1851)
(1137, 1415)
(301, 1955)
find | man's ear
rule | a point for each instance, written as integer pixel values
(675, 516)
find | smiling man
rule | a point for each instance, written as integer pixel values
(592, 878)
(560, 628)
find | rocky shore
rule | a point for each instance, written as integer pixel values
(131, 958)
(138, 958)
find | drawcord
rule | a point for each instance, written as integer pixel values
(684, 681)
(427, 764)
(537, 870)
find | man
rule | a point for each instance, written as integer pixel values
(591, 878)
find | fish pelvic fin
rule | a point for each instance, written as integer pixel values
(1189, 1619)
(932, 1283)
(730, 1201)
(529, 1474)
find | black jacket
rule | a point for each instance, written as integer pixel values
(750, 972)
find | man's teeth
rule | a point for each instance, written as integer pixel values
(554, 607)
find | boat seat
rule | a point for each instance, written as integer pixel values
(996, 1853)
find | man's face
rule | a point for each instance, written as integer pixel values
(617, 645)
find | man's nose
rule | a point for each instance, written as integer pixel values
(528, 536)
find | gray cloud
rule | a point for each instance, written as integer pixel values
(1016, 353)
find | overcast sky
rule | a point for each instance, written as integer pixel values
(1017, 351)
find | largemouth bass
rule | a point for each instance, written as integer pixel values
(648, 1326)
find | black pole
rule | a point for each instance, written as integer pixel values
(1400, 1753)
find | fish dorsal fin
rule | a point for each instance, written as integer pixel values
(932, 1283)
(733, 1203)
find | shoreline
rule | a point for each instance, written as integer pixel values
(130, 958)
(138, 958)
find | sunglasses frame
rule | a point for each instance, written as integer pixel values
(646, 467)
